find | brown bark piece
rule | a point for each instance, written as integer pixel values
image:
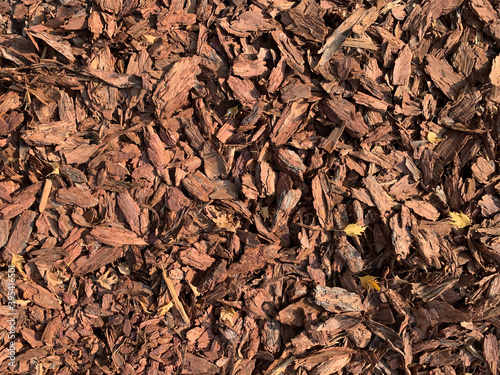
(491, 352)
(172, 92)
(22, 201)
(350, 255)
(99, 258)
(290, 120)
(294, 57)
(196, 259)
(245, 67)
(76, 196)
(198, 185)
(20, 232)
(429, 246)
(337, 300)
(60, 45)
(343, 112)
(49, 133)
(290, 162)
(251, 21)
(244, 90)
(484, 11)
(334, 41)
(402, 67)
(401, 232)
(370, 102)
(39, 295)
(115, 236)
(253, 258)
(295, 90)
(444, 77)
(424, 209)
(380, 197)
(130, 210)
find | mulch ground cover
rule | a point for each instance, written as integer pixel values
(250, 187)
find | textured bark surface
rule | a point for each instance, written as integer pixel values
(250, 187)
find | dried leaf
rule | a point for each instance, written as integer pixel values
(228, 316)
(459, 219)
(354, 230)
(369, 282)
(434, 138)
(55, 168)
(18, 261)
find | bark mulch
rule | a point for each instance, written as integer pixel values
(251, 187)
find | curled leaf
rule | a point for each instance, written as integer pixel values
(55, 168)
(229, 316)
(354, 230)
(434, 138)
(459, 219)
(18, 261)
(369, 282)
(232, 112)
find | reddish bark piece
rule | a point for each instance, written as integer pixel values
(253, 258)
(244, 67)
(116, 236)
(289, 122)
(379, 196)
(290, 162)
(424, 209)
(172, 92)
(50, 133)
(101, 257)
(444, 77)
(60, 45)
(20, 233)
(294, 56)
(39, 295)
(198, 185)
(343, 112)
(130, 210)
(337, 300)
(254, 20)
(402, 67)
(22, 201)
(244, 90)
(196, 259)
(76, 196)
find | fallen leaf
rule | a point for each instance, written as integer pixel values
(354, 230)
(369, 282)
(228, 316)
(434, 138)
(459, 219)
(232, 112)
(162, 310)
(17, 261)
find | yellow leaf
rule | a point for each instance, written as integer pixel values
(459, 219)
(144, 306)
(148, 40)
(228, 316)
(162, 310)
(232, 112)
(354, 230)
(17, 261)
(434, 138)
(55, 168)
(369, 282)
